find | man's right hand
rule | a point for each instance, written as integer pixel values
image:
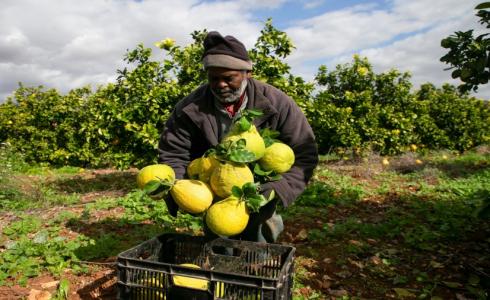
(171, 205)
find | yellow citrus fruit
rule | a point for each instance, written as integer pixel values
(362, 71)
(226, 175)
(194, 168)
(151, 282)
(413, 147)
(155, 172)
(186, 281)
(192, 196)
(385, 162)
(201, 168)
(207, 166)
(278, 157)
(227, 217)
(254, 142)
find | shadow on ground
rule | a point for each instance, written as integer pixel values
(97, 182)
(111, 237)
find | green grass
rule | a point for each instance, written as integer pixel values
(408, 228)
(409, 215)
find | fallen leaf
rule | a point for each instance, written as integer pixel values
(326, 277)
(338, 293)
(324, 284)
(327, 260)
(375, 260)
(461, 297)
(403, 293)
(355, 243)
(343, 274)
(358, 264)
(302, 235)
(372, 241)
(436, 265)
(452, 284)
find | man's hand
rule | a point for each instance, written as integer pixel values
(171, 205)
(267, 210)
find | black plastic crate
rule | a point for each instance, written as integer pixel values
(229, 269)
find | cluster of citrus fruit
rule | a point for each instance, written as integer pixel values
(224, 184)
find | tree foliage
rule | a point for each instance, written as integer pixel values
(119, 124)
(468, 55)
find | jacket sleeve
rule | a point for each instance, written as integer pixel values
(296, 132)
(174, 147)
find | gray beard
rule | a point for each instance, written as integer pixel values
(235, 95)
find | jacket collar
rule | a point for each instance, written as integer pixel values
(257, 100)
(202, 110)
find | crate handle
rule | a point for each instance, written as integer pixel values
(223, 246)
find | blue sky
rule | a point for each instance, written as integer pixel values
(294, 11)
(66, 44)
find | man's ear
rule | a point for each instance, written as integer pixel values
(249, 74)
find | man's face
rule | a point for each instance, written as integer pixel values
(226, 84)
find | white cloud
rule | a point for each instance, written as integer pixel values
(66, 44)
(70, 42)
(313, 4)
(407, 37)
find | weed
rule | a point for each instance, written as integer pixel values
(30, 254)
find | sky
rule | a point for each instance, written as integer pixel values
(67, 44)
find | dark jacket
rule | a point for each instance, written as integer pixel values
(192, 129)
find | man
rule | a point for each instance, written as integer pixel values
(200, 120)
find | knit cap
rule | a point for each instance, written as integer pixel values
(225, 52)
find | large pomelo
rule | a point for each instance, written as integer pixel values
(193, 168)
(155, 172)
(208, 163)
(192, 196)
(190, 282)
(227, 217)
(226, 175)
(254, 142)
(201, 168)
(278, 157)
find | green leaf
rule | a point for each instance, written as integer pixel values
(236, 191)
(157, 188)
(453, 285)
(272, 195)
(250, 189)
(244, 124)
(241, 144)
(269, 136)
(258, 170)
(275, 177)
(241, 156)
(484, 5)
(63, 288)
(254, 113)
(267, 132)
(209, 152)
(404, 293)
(254, 203)
(151, 186)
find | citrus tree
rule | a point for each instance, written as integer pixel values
(119, 124)
(356, 108)
(468, 55)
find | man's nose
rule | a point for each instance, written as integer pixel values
(221, 84)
